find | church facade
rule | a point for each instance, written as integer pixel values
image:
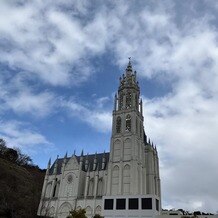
(124, 182)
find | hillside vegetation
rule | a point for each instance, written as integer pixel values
(20, 185)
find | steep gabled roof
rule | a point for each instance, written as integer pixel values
(90, 158)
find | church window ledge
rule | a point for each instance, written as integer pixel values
(128, 133)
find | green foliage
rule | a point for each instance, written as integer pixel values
(77, 214)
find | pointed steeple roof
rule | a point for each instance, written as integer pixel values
(129, 68)
(128, 79)
(49, 163)
(65, 158)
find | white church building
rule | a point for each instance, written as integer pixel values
(124, 182)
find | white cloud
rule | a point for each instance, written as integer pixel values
(21, 98)
(18, 134)
(184, 124)
(48, 42)
(101, 101)
(26, 102)
(96, 117)
(55, 41)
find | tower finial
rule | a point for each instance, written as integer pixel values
(129, 68)
(48, 167)
(49, 163)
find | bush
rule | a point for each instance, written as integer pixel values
(77, 214)
(98, 216)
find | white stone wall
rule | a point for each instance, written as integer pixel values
(130, 213)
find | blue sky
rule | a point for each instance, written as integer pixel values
(60, 64)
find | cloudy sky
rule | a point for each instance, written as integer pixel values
(59, 67)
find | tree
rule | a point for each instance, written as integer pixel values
(14, 154)
(3, 147)
(197, 213)
(11, 155)
(23, 159)
(181, 210)
(77, 214)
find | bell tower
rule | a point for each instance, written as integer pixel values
(127, 171)
(133, 182)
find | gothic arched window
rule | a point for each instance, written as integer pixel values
(115, 180)
(91, 187)
(128, 100)
(56, 189)
(118, 125)
(126, 179)
(100, 187)
(136, 102)
(128, 123)
(121, 95)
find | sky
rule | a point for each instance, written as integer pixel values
(60, 63)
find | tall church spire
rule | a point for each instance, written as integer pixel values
(128, 91)
(129, 68)
(127, 141)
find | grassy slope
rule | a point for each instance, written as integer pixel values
(20, 189)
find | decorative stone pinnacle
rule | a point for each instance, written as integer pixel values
(49, 163)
